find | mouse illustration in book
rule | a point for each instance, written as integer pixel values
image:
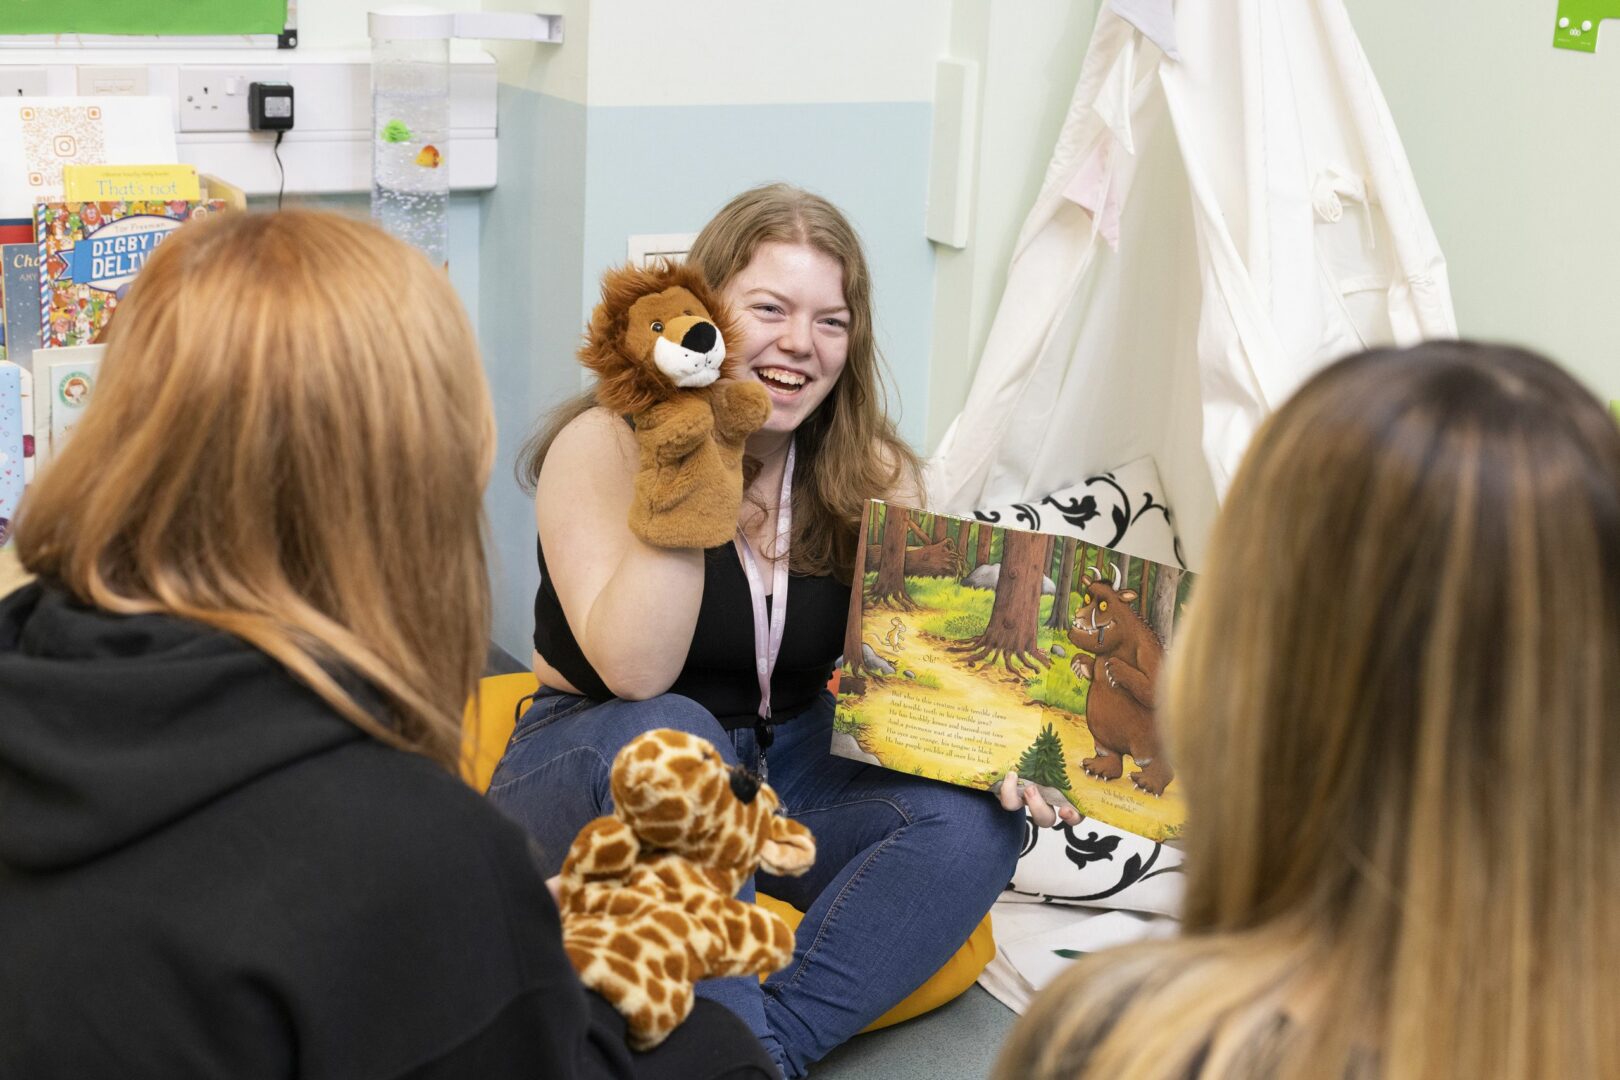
(888, 646)
(1123, 668)
(895, 638)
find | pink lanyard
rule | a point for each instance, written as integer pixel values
(768, 632)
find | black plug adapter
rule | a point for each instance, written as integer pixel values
(270, 106)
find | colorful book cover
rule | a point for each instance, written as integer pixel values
(90, 252)
(975, 650)
(12, 448)
(72, 382)
(100, 183)
(19, 288)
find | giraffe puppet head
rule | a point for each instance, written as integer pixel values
(648, 894)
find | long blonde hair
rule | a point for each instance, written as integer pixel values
(288, 442)
(848, 450)
(1393, 708)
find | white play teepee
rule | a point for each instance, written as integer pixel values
(1228, 209)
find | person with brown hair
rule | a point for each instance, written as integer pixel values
(233, 841)
(736, 643)
(1393, 709)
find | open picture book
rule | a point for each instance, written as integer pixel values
(974, 650)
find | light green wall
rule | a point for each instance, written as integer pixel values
(1029, 57)
(1516, 148)
(1515, 145)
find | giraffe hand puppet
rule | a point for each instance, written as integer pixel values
(648, 893)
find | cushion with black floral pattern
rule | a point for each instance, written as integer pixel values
(1123, 508)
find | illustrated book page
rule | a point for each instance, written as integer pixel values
(975, 650)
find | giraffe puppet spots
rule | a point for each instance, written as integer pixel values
(648, 894)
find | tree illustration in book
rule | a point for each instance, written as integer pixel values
(974, 651)
(1042, 763)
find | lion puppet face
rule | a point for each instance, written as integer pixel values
(657, 330)
(678, 333)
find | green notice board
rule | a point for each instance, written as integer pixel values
(143, 16)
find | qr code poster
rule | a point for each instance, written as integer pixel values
(57, 135)
(43, 134)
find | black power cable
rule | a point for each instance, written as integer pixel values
(282, 190)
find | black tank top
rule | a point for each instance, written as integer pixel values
(719, 669)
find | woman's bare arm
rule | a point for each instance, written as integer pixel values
(632, 607)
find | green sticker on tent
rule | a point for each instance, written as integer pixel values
(1578, 21)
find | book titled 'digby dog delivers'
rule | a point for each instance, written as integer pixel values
(90, 252)
(974, 650)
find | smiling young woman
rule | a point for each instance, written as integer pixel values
(795, 330)
(630, 637)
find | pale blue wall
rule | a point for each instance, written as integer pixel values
(529, 320)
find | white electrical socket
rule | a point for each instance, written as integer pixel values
(216, 98)
(19, 81)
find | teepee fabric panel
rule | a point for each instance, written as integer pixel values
(1211, 230)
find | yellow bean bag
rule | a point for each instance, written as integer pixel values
(489, 722)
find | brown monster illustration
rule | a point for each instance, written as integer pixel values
(1123, 669)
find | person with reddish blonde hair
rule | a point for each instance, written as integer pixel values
(631, 636)
(233, 839)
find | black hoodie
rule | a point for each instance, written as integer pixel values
(206, 872)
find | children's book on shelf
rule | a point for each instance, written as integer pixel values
(70, 381)
(975, 650)
(15, 421)
(124, 183)
(90, 252)
(19, 286)
(19, 301)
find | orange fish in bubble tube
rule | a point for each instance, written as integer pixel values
(430, 157)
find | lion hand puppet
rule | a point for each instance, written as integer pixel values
(648, 894)
(658, 344)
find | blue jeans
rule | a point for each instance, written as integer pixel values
(905, 867)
